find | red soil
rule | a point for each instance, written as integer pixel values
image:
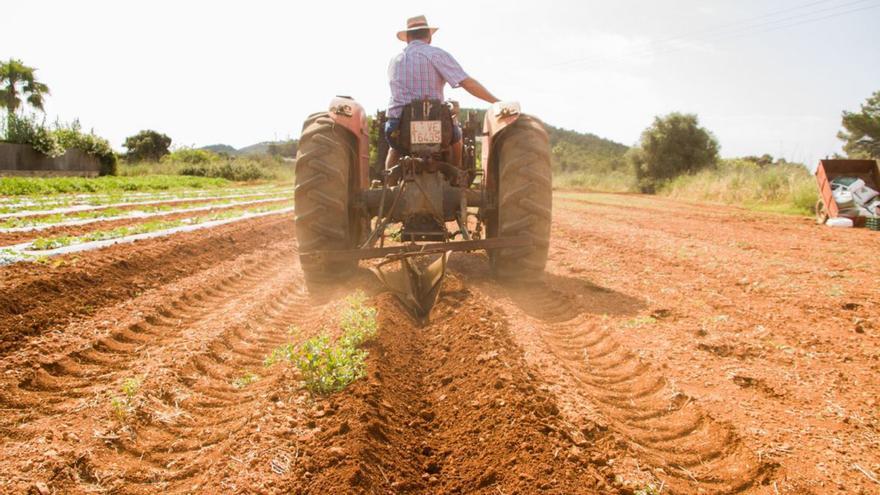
(694, 348)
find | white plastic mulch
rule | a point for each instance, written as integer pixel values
(136, 214)
(79, 208)
(20, 252)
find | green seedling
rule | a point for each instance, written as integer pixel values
(328, 367)
(43, 244)
(125, 405)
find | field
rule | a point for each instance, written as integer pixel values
(673, 347)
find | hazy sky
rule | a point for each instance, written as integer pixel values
(765, 77)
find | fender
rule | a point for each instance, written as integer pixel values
(348, 113)
(499, 116)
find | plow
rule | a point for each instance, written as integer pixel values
(429, 202)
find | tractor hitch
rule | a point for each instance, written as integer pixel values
(415, 283)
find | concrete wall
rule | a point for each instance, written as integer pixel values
(22, 160)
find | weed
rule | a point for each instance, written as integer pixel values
(245, 380)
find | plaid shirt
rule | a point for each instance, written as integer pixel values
(420, 71)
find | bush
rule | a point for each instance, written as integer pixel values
(235, 170)
(24, 129)
(672, 146)
(191, 156)
(71, 136)
(55, 142)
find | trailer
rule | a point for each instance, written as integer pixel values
(828, 170)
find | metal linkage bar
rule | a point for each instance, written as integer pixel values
(431, 248)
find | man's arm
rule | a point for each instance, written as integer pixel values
(474, 87)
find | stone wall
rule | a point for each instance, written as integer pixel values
(23, 160)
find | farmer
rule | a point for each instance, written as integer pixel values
(421, 71)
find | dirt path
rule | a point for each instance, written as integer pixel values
(693, 348)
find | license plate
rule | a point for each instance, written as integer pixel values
(425, 132)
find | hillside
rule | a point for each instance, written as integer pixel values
(574, 151)
(283, 148)
(220, 149)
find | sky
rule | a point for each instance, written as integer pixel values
(764, 77)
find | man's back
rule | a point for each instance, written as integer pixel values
(421, 71)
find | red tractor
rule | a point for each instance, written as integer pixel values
(422, 205)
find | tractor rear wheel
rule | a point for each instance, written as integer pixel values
(524, 199)
(325, 167)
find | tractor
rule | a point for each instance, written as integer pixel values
(413, 214)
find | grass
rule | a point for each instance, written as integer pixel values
(327, 365)
(778, 188)
(44, 243)
(781, 188)
(40, 186)
(613, 181)
(257, 168)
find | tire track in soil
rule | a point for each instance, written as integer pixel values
(191, 395)
(40, 298)
(58, 385)
(448, 408)
(662, 425)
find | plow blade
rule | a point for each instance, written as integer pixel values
(416, 286)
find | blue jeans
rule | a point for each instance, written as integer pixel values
(393, 124)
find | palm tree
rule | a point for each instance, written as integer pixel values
(17, 80)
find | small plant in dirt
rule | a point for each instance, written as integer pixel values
(284, 352)
(328, 367)
(358, 321)
(244, 380)
(124, 405)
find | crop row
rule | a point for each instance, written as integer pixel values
(15, 204)
(80, 217)
(48, 243)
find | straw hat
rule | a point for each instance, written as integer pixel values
(414, 24)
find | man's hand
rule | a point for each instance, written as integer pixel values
(474, 87)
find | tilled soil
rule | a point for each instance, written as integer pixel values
(691, 348)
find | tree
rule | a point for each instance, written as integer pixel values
(147, 145)
(17, 80)
(672, 146)
(861, 134)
